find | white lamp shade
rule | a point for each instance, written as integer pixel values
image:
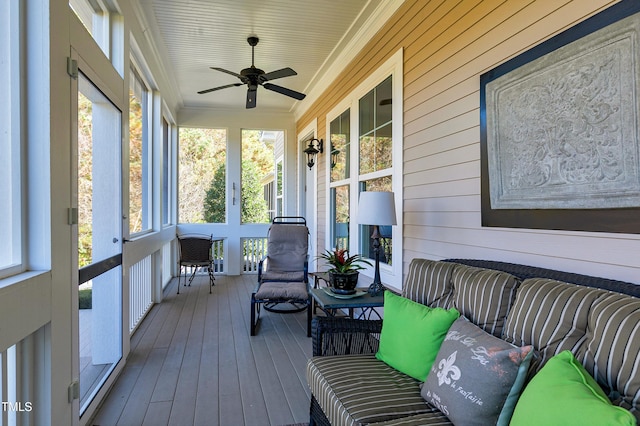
(376, 208)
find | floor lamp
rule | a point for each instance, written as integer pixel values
(376, 209)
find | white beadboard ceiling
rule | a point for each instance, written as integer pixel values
(306, 35)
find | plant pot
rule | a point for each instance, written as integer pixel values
(343, 283)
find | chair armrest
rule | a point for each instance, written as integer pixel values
(344, 336)
(263, 265)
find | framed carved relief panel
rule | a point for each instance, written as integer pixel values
(560, 139)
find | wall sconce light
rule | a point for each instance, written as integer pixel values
(313, 150)
(334, 157)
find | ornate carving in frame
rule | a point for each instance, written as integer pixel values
(560, 139)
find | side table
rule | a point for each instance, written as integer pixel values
(330, 303)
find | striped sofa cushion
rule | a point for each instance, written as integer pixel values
(610, 353)
(429, 282)
(359, 389)
(436, 418)
(483, 296)
(550, 315)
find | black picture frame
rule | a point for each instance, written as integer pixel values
(613, 220)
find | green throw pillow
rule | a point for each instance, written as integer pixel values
(563, 393)
(412, 334)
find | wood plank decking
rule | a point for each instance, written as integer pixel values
(193, 362)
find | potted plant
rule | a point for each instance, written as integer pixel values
(343, 274)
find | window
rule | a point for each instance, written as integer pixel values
(11, 182)
(166, 168)
(95, 17)
(258, 170)
(202, 185)
(139, 156)
(375, 129)
(376, 158)
(340, 138)
(365, 134)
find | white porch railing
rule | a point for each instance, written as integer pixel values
(253, 250)
(19, 383)
(140, 283)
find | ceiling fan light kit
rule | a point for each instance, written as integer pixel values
(254, 77)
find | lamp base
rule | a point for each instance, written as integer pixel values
(376, 289)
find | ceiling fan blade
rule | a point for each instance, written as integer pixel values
(251, 96)
(228, 72)
(219, 88)
(283, 90)
(284, 72)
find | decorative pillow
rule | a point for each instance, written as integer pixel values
(412, 334)
(563, 393)
(476, 378)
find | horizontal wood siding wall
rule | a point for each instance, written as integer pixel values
(447, 46)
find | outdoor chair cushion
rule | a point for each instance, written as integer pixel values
(282, 276)
(359, 389)
(438, 274)
(484, 296)
(435, 418)
(282, 291)
(610, 353)
(287, 247)
(550, 315)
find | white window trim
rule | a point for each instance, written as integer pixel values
(11, 39)
(153, 135)
(390, 275)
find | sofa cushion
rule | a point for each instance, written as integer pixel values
(612, 346)
(412, 334)
(429, 282)
(550, 315)
(564, 393)
(476, 378)
(437, 418)
(483, 295)
(359, 389)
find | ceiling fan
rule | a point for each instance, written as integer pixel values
(254, 77)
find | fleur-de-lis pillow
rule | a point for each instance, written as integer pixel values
(476, 378)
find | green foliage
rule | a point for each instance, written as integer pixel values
(215, 200)
(253, 205)
(84, 298)
(202, 153)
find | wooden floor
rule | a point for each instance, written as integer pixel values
(192, 362)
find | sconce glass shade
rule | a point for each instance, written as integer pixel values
(377, 208)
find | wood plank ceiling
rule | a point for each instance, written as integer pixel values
(306, 35)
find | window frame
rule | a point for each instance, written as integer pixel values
(148, 150)
(14, 181)
(391, 275)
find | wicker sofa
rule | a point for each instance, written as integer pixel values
(597, 319)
